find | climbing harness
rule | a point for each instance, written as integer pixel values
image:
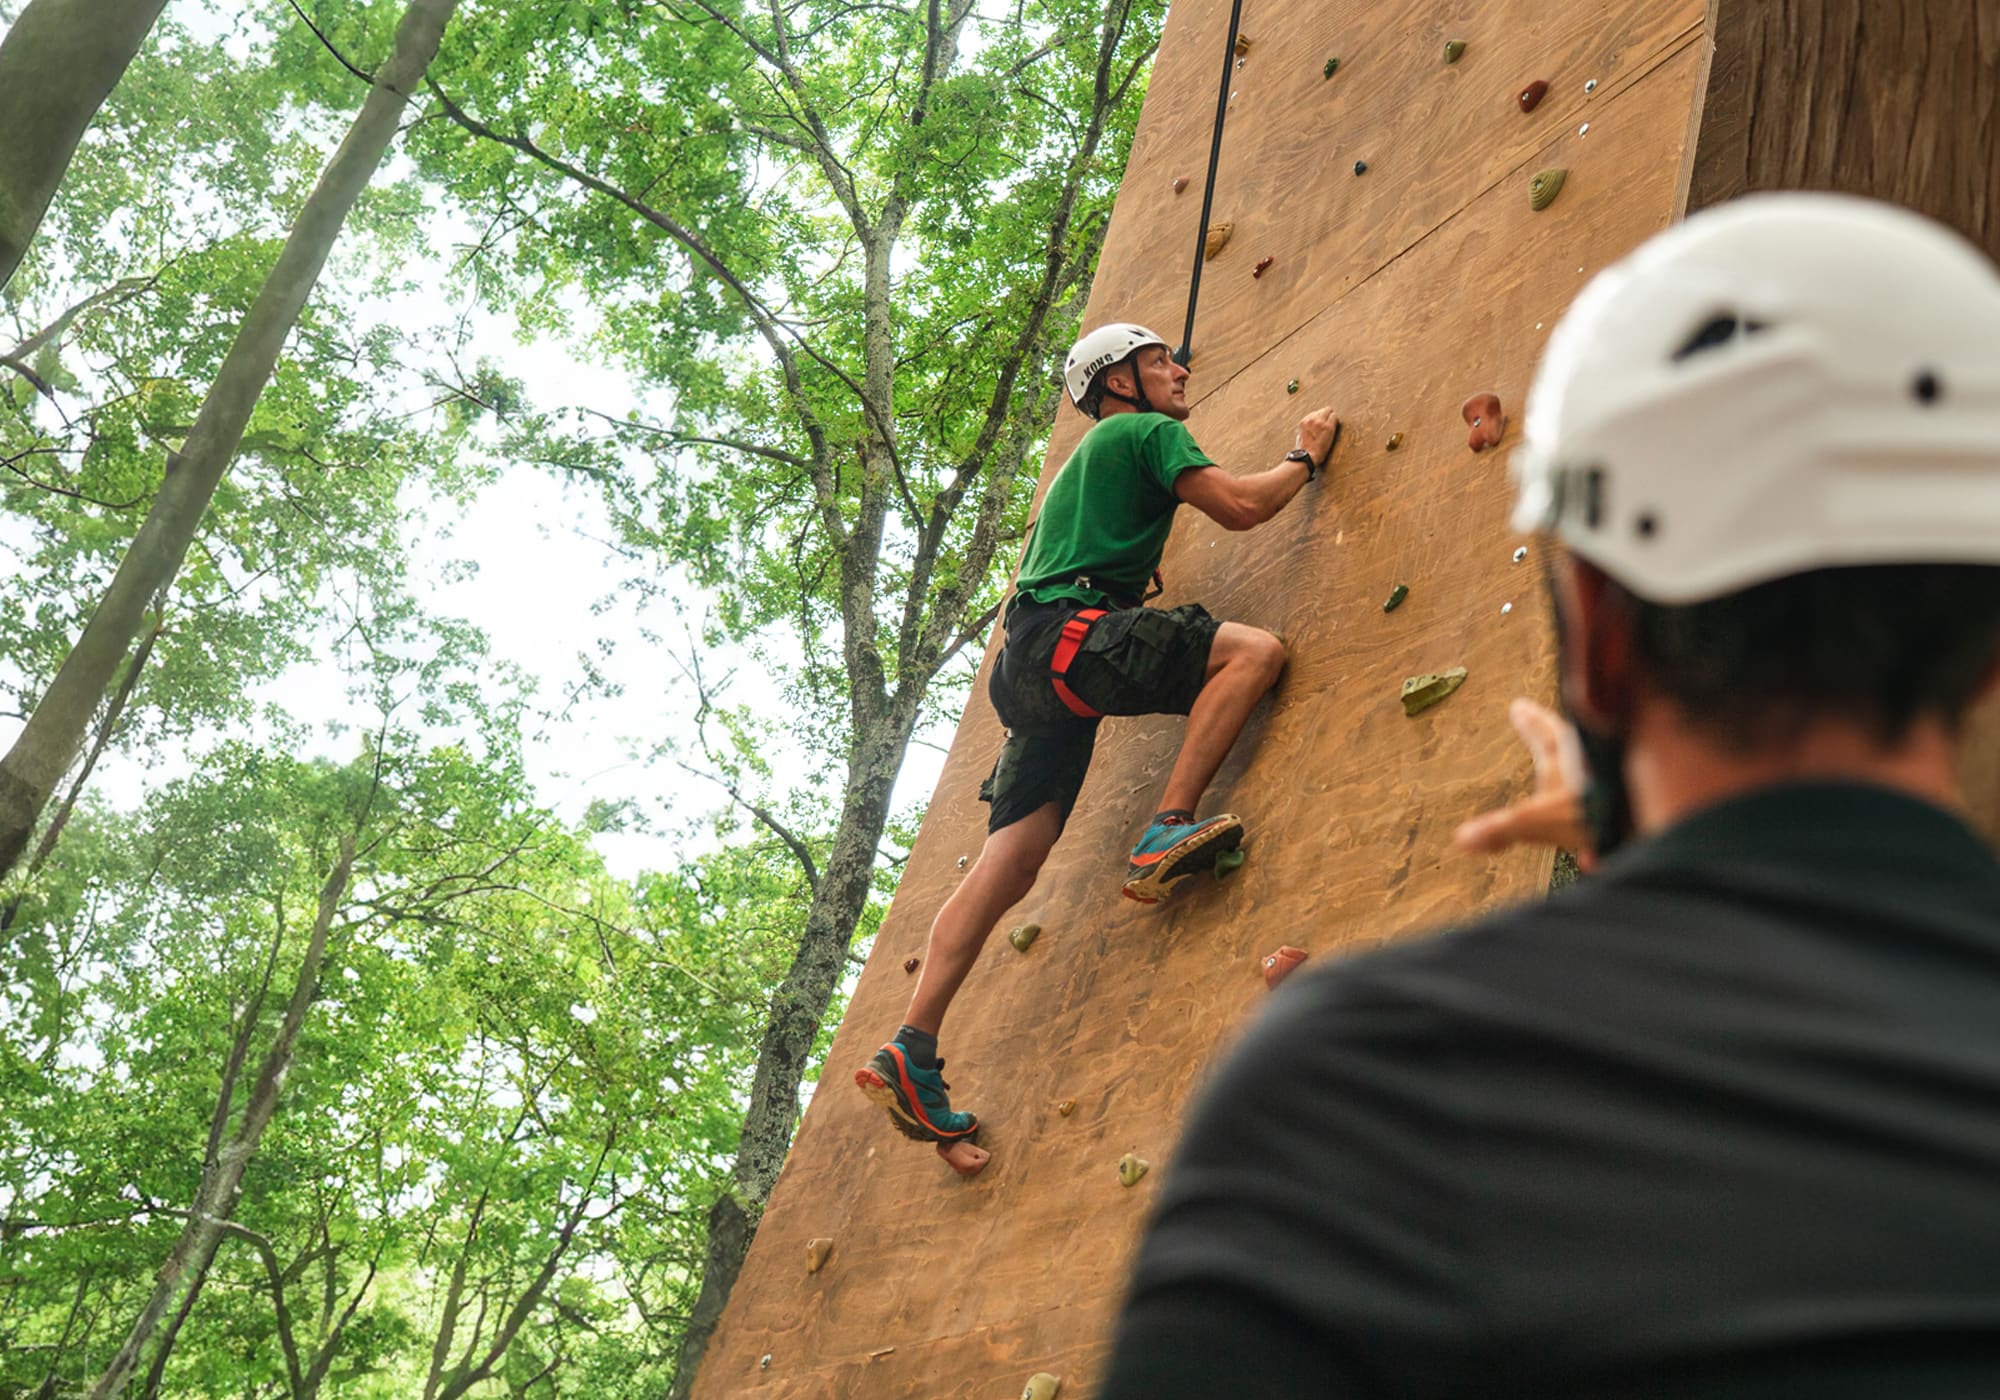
(1067, 646)
(1182, 355)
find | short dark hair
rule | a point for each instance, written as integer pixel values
(1884, 645)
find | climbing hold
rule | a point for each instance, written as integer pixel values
(1066, 1107)
(1520, 554)
(1583, 130)
(816, 1252)
(764, 1362)
(1239, 63)
(1263, 266)
(1590, 87)
(1242, 44)
(1396, 597)
(1454, 50)
(1131, 1167)
(1023, 936)
(1042, 1386)
(1506, 608)
(1532, 95)
(1360, 167)
(1217, 240)
(1279, 965)
(1395, 441)
(1292, 386)
(1228, 861)
(965, 1158)
(1489, 424)
(1332, 67)
(1422, 692)
(1180, 183)
(961, 862)
(880, 1352)
(911, 964)
(1543, 189)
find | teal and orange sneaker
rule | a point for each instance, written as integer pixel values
(915, 1098)
(1175, 847)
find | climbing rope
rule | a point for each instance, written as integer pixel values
(1182, 355)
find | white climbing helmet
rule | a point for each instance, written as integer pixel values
(1105, 346)
(1786, 383)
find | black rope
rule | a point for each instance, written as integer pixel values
(1182, 355)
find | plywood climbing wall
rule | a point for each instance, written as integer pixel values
(1392, 295)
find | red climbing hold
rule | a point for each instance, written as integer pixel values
(1180, 183)
(1489, 424)
(1280, 965)
(1532, 95)
(911, 965)
(1263, 265)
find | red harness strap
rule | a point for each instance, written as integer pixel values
(1066, 649)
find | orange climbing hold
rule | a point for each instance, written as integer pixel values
(1280, 965)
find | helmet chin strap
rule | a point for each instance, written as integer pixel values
(1142, 403)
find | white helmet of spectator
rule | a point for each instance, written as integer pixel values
(1785, 383)
(1098, 351)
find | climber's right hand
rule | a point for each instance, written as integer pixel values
(1318, 431)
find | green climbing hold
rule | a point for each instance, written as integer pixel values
(1543, 189)
(1422, 692)
(1332, 67)
(1023, 938)
(1396, 597)
(1293, 387)
(1228, 861)
(1454, 50)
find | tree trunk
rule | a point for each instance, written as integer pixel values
(216, 1197)
(797, 1010)
(54, 732)
(57, 65)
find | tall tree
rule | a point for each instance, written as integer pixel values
(54, 733)
(58, 63)
(853, 241)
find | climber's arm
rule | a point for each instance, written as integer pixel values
(1243, 502)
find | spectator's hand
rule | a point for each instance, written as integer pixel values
(1317, 432)
(1553, 814)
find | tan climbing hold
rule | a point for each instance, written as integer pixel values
(1023, 936)
(880, 1352)
(1066, 1107)
(1131, 1167)
(1279, 965)
(1422, 692)
(1217, 240)
(965, 1158)
(816, 1252)
(1042, 1386)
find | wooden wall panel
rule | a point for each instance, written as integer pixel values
(1427, 281)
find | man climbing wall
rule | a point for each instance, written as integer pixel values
(1725, 1118)
(1080, 644)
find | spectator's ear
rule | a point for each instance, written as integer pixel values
(1594, 629)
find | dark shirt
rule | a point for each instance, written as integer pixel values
(1723, 1120)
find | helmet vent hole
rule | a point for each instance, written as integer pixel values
(1927, 387)
(1717, 330)
(1647, 526)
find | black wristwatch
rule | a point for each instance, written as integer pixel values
(1299, 454)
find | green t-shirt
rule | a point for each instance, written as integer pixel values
(1106, 516)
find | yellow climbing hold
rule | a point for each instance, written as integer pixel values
(1131, 1167)
(1042, 1386)
(1217, 240)
(816, 1252)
